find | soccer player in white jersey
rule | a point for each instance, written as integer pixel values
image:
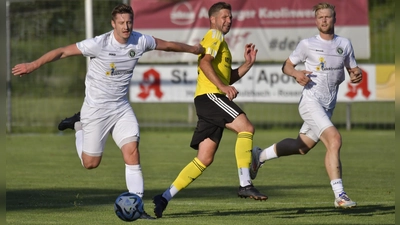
(106, 108)
(325, 57)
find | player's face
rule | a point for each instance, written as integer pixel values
(325, 21)
(222, 21)
(122, 25)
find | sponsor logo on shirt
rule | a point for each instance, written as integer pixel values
(114, 72)
(322, 66)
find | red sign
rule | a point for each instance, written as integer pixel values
(275, 27)
(150, 14)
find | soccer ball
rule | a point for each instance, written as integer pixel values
(128, 206)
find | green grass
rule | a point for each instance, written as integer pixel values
(45, 183)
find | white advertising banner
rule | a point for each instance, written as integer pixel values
(275, 27)
(263, 83)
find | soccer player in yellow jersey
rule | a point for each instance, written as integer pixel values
(216, 110)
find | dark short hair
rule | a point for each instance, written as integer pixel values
(217, 7)
(121, 9)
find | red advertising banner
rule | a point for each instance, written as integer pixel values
(171, 14)
(274, 26)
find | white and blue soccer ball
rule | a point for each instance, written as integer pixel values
(128, 206)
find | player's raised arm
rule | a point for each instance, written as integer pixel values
(172, 46)
(250, 53)
(53, 55)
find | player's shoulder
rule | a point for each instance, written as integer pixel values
(341, 39)
(99, 40)
(311, 39)
(137, 37)
(104, 37)
(307, 41)
(214, 34)
(137, 34)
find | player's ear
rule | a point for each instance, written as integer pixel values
(113, 23)
(212, 19)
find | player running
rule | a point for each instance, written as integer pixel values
(106, 108)
(325, 56)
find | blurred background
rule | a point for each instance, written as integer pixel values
(38, 102)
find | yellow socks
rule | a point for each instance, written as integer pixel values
(190, 173)
(244, 144)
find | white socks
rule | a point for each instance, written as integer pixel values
(79, 139)
(170, 193)
(268, 154)
(134, 179)
(337, 187)
(244, 177)
(133, 173)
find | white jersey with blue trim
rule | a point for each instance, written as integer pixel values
(111, 67)
(327, 60)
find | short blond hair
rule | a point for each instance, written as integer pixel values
(324, 5)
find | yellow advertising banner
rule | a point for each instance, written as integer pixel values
(385, 82)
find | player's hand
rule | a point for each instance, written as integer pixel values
(301, 77)
(355, 75)
(250, 53)
(22, 69)
(230, 92)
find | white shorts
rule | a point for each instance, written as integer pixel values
(97, 124)
(316, 118)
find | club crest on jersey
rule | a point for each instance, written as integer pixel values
(131, 53)
(339, 50)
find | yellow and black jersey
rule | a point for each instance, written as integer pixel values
(214, 45)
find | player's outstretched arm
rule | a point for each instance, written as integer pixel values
(53, 55)
(171, 46)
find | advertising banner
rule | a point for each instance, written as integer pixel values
(275, 27)
(263, 83)
(385, 82)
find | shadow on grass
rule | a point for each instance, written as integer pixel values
(293, 212)
(54, 199)
(23, 199)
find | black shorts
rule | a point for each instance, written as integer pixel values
(213, 112)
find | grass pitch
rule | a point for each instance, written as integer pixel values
(45, 183)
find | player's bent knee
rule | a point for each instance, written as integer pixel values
(90, 166)
(90, 161)
(304, 151)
